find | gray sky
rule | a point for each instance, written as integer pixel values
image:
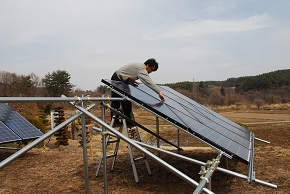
(90, 39)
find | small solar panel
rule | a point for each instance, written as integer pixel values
(18, 126)
(192, 117)
(7, 135)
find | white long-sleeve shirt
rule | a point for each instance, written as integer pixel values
(137, 71)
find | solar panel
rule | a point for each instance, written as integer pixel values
(192, 117)
(6, 135)
(20, 128)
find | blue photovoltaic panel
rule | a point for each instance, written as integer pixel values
(22, 127)
(193, 117)
(6, 135)
(18, 125)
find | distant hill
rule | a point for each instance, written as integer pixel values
(274, 79)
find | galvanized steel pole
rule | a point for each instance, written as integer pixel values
(210, 170)
(40, 139)
(104, 151)
(128, 140)
(85, 151)
(56, 99)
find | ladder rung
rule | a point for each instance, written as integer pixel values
(113, 141)
(111, 155)
(140, 158)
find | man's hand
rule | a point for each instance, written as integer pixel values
(161, 96)
(133, 82)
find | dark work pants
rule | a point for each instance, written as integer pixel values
(126, 105)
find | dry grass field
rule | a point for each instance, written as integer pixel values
(60, 170)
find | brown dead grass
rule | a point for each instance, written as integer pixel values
(60, 170)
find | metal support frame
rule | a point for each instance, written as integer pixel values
(205, 178)
(85, 152)
(191, 160)
(132, 159)
(75, 101)
(137, 146)
(178, 139)
(72, 101)
(251, 173)
(158, 133)
(104, 150)
(45, 136)
(40, 139)
(9, 148)
(194, 161)
(106, 138)
(115, 150)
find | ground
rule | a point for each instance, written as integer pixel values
(48, 169)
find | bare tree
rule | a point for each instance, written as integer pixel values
(259, 102)
(9, 84)
(36, 83)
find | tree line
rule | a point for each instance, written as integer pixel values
(267, 88)
(53, 84)
(271, 80)
(249, 91)
(272, 87)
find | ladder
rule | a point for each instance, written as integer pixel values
(132, 132)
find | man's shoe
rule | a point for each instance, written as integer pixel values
(117, 123)
(130, 125)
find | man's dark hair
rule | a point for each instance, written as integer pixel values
(152, 63)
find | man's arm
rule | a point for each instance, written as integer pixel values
(144, 77)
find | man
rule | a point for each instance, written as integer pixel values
(130, 73)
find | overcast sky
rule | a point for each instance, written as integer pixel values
(191, 39)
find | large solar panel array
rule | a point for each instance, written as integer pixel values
(13, 127)
(192, 117)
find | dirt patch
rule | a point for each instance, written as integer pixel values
(60, 170)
